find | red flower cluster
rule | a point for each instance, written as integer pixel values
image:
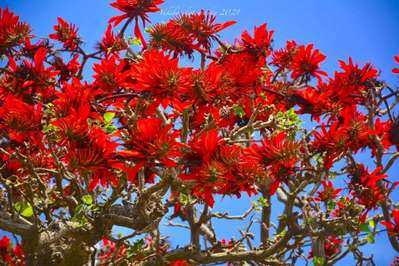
(328, 192)
(278, 155)
(160, 76)
(110, 251)
(364, 186)
(396, 70)
(111, 43)
(332, 247)
(216, 167)
(12, 31)
(153, 144)
(10, 256)
(187, 32)
(135, 9)
(20, 120)
(260, 42)
(306, 63)
(393, 227)
(67, 33)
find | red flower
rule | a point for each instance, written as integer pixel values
(109, 74)
(12, 31)
(356, 126)
(277, 152)
(66, 33)
(396, 70)
(5, 243)
(110, 251)
(353, 75)
(283, 58)
(161, 77)
(34, 76)
(202, 166)
(179, 263)
(332, 246)
(151, 143)
(364, 186)
(392, 132)
(393, 227)
(173, 38)
(72, 128)
(73, 96)
(135, 9)
(202, 27)
(94, 155)
(262, 40)
(328, 193)
(332, 141)
(306, 63)
(21, 120)
(311, 101)
(350, 84)
(241, 76)
(111, 43)
(205, 145)
(67, 70)
(206, 83)
(18, 251)
(5, 251)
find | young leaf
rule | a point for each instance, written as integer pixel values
(372, 223)
(364, 228)
(87, 199)
(24, 208)
(370, 238)
(108, 116)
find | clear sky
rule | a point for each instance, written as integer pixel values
(364, 29)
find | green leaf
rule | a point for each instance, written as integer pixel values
(24, 208)
(49, 128)
(109, 50)
(372, 223)
(108, 116)
(370, 238)
(318, 261)
(239, 111)
(78, 209)
(135, 41)
(183, 198)
(282, 234)
(364, 228)
(263, 202)
(148, 28)
(110, 129)
(331, 205)
(87, 199)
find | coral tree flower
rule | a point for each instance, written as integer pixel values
(12, 31)
(260, 42)
(202, 27)
(328, 192)
(152, 143)
(306, 62)
(160, 76)
(67, 33)
(135, 9)
(111, 43)
(396, 70)
(393, 227)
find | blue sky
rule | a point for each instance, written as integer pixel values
(364, 29)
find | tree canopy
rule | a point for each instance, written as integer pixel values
(146, 141)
